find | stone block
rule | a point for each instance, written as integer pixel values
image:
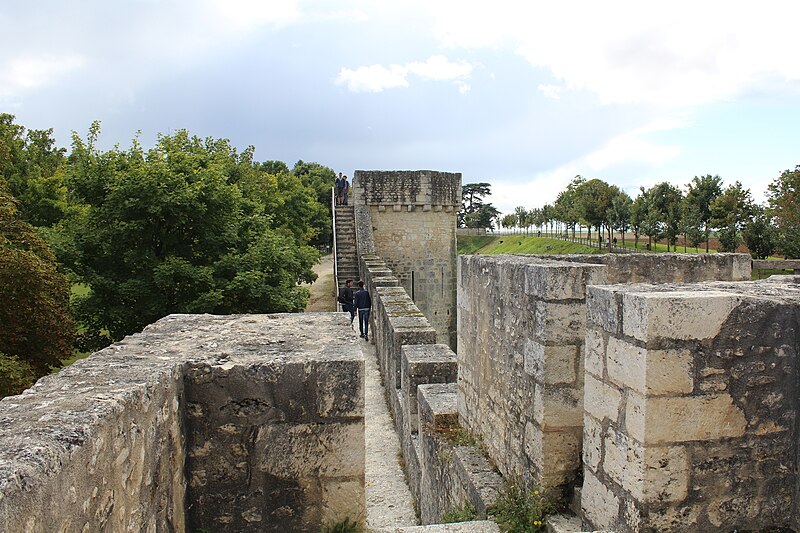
(604, 309)
(599, 504)
(560, 281)
(683, 419)
(600, 399)
(650, 474)
(422, 365)
(592, 443)
(559, 323)
(551, 364)
(557, 407)
(595, 352)
(649, 372)
(681, 315)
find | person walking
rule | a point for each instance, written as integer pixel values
(336, 191)
(345, 190)
(363, 303)
(346, 299)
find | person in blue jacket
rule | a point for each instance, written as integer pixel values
(363, 303)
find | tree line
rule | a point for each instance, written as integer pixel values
(665, 212)
(95, 245)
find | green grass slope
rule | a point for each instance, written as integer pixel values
(518, 244)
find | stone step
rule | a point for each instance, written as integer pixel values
(561, 523)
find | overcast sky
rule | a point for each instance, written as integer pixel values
(523, 95)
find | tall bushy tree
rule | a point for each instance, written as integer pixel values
(701, 193)
(475, 211)
(665, 206)
(759, 234)
(189, 226)
(594, 197)
(31, 164)
(620, 212)
(784, 199)
(730, 211)
(36, 329)
(567, 205)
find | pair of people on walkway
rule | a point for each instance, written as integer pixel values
(360, 301)
(342, 189)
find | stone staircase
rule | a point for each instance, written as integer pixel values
(346, 252)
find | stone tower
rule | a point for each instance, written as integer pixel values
(414, 228)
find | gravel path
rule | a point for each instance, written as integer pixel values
(389, 502)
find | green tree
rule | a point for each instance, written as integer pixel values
(620, 212)
(701, 193)
(567, 204)
(665, 211)
(523, 218)
(475, 211)
(759, 234)
(784, 199)
(594, 198)
(692, 225)
(36, 329)
(509, 221)
(730, 211)
(320, 178)
(189, 226)
(32, 167)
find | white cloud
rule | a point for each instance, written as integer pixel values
(671, 53)
(30, 72)
(247, 14)
(626, 149)
(377, 78)
(551, 91)
(373, 79)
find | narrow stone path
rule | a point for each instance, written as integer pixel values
(389, 501)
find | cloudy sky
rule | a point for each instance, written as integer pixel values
(524, 95)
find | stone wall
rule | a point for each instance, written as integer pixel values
(521, 327)
(691, 405)
(413, 229)
(246, 423)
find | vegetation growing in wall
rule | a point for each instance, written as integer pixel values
(460, 513)
(345, 526)
(521, 507)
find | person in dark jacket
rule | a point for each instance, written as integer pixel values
(346, 299)
(363, 303)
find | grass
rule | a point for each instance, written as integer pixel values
(519, 244)
(454, 433)
(463, 513)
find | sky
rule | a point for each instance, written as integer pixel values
(523, 95)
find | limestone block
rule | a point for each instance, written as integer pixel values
(598, 503)
(600, 399)
(650, 474)
(649, 372)
(682, 315)
(560, 281)
(551, 364)
(421, 365)
(604, 309)
(556, 454)
(595, 352)
(683, 419)
(557, 407)
(592, 443)
(559, 323)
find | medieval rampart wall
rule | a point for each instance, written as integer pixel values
(413, 222)
(235, 423)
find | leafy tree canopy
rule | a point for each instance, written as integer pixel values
(36, 329)
(784, 198)
(475, 212)
(190, 226)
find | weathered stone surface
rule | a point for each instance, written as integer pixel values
(422, 365)
(111, 431)
(682, 419)
(689, 315)
(601, 400)
(478, 526)
(649, 372)
(707, 374)
(411, 220)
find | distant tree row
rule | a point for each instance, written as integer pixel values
(188, 226)
(665, 212)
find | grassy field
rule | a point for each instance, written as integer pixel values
(519, 244)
